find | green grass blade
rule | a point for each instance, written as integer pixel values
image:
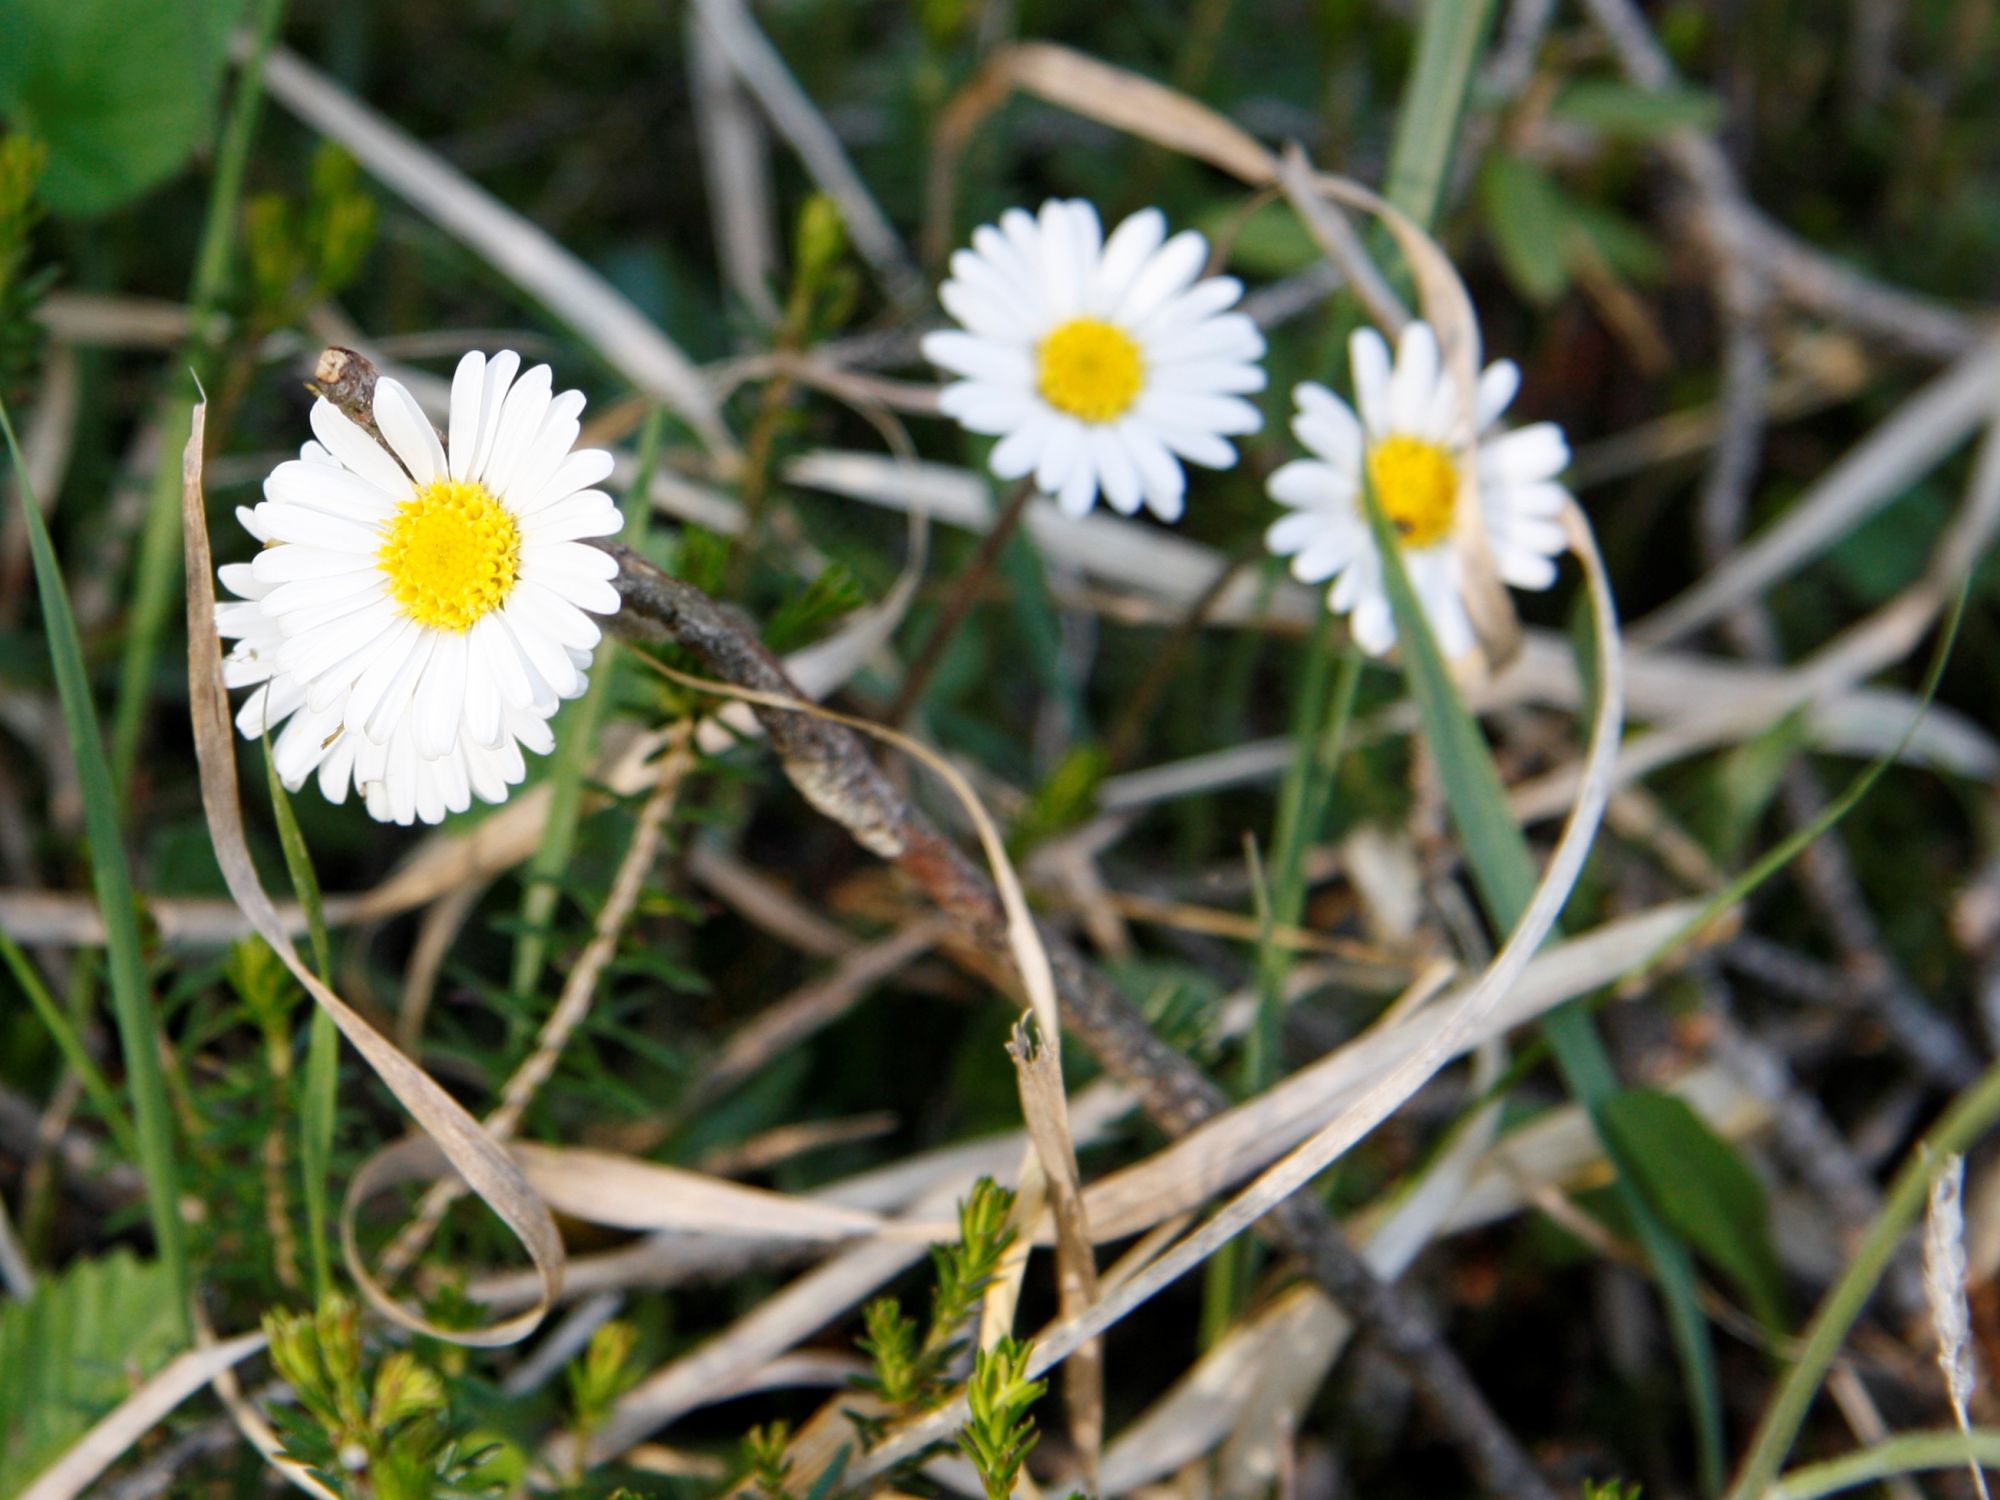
(574, 748)
(158, 568)
(1503, 872)
(131, 998)
(318, 1104)
(1907, 1453)
(1450, 38)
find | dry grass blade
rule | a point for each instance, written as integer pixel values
(1045, 1109)
(625, 1192)
(1125, 101)
(1220, 1153)
(485, 1167)
(518, 249)
(736, 168)
(764, 73)
(135, 1416)
(1906, 446)
(1339, 243)
(1944, 1290)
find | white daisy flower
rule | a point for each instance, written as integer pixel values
(1099, 364)
(1408, 434)
(440, 587)
(396, 785)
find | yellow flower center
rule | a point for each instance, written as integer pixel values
(1416, 484)
(1090, 370)
(452, 554)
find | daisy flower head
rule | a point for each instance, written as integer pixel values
(1100, 363)
(1409, 439)
(421, 607)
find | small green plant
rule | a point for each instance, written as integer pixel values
(602, 1375)
(302, 253)
(766, 1462)
(385, 1435)
(1609, 1489)
(1000, 1433)
(908, 1372)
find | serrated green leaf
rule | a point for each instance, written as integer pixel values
(74, 1350)
(1529, 220)
(121, 93)
(1626, 111)
(1701, 1186)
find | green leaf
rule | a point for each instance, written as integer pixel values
(75, 1350)
(1700, 1185)
(131, 996)
(1450, 37)
(121, 93)
(1529, 219)
(1632, 113)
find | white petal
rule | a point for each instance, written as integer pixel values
(1163, 479)
(1309, 484)
(408, 431)
(550, 450)
(1370, 356)
(986, 409)
(335, 492)
(1373, 624)
(499, 380)
(468, 391)
(1535, 452)
(1293, 532)
(493, 645)
(482, 693)
(587, 513)
(355, 450)
(520, 421)
(1116, 471)
(1061, 454)
(441, 698)
(1415, 380)
(1497, 387)
(985, 315)
(1131, 245)
(582, 469)
(1168, 273)
(1198, 447)
(1079, 488)
(1217, 414)
(385, 716)
(577, 590)
(309, 656)
(1021, 449)
(982, 359)
(367, 687)
(543, 651)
